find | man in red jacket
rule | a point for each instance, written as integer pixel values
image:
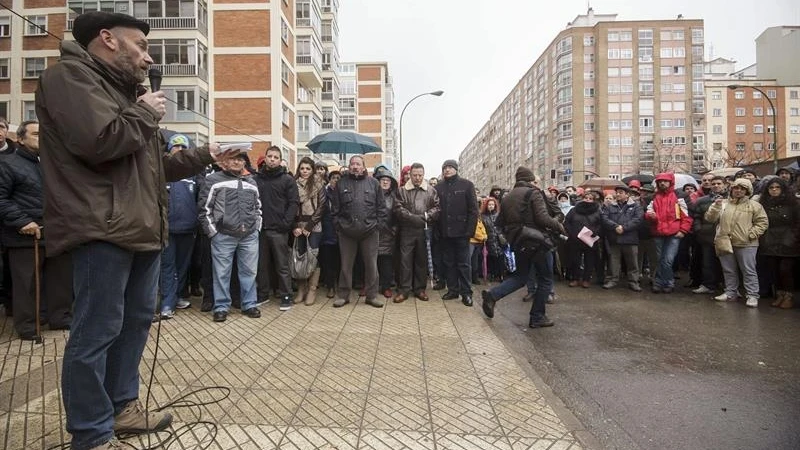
(669, 222)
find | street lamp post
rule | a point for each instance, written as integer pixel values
(734, 87)
(436, 93)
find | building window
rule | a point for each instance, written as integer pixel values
(613, 125)
(29, 110)
(770, 111)
(758, 129)
(4, 69)
(3, 109)
(740, 146)
(717, 129)
(741, 129)
(34, 67)
(347, 122)
(588, 58)
(679, 52)
(185, 100)
(772, 93)
(716, 112)
(588, 92)
(589, 161)
(666, 106)
(613, 36)
(795, 146)
(739, 112)
(613, 107)
(285, 115)
(793, 95)
(284, 73)
(626, 53)
(588, 126)
(758, 146)
(613, 142)
(588, 75)
(758, 111)
(588, 109)
(794, 129)
(36, 25)
(625, 36)
(613, 53)
(666, 52)
(284, 32)
(588, 40)
(627, 141)
(756, 95)
(646, 36)
(646, 89)
(666, 123)
(794, 112)
(5, 26)
(679, 123)
(738, 95)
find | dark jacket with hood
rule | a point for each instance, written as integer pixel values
(388, 231)
(10, 148)
(357, 206)
(20, 196)
(782, 237)
(183, 206)
(511, 218)
(583, 214)
(629, 215)
(279, 198)
(458, 205)
(103, 158)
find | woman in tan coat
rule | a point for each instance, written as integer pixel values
(309, 222)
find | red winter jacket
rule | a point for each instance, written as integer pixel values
(667, 213)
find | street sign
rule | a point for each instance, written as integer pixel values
(567, 171)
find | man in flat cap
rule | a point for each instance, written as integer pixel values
(106, 204)
(458, 218)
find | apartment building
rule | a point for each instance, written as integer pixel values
(742, 121)
(606, 98)
(246, 83)
(366, 106)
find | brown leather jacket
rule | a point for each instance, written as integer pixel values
(103, 160)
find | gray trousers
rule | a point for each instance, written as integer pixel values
(273, 253)
(631, 254)
(744, 259)
(413, 261)
(369, 252)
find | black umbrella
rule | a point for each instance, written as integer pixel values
(343, 142)
(428, 233)
(640, 177)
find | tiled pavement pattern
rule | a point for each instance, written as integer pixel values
(417, 375)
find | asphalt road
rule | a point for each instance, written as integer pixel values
(678, 371)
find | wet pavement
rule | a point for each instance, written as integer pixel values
(416, 375)
(679, 371)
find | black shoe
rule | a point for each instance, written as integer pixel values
(488, 303)
(467, 300)
(220, 316)
(207, 306)
(542, 322)
(28, 336)
(252, 313)
(667, 290)
(449, 296)
(439, 286)
(60, 327)
(656, 290)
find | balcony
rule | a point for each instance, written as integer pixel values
(302, 22)
(309, 71)
(303, 136)
(166, 23)
(182, 70)
(327, 38)
(327, 125)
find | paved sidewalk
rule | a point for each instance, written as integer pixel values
(418, 375)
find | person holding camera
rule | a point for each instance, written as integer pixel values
(523, 212)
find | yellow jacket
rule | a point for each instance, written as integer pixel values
(480, 233)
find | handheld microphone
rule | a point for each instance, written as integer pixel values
(155, 79)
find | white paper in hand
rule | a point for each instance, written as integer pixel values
(585, 235)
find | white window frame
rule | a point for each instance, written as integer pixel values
(717, 129)
(5, 26)
(40, 29)
(758, 129)
(739, 112)
(5, 64)
(27, 75)
(738, 95)
(741, 129)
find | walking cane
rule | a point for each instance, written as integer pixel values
(38, 295)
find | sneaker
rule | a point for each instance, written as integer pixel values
(542, 322)
(488, 304)
(551, 299)
(253, 313)
(752, 301)
(724, 298)
(167, 314)
(635, 287)
(286, 303)
(111, 444)
(183, 304)
(610, 285)
(263, 301)
(702, 290)
(376, 302)
(339, 302)
(135, 420)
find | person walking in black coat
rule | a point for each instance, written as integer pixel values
(585, 214)
(21, 214)
(457, 221)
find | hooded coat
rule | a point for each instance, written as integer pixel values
(103, 158)
(744, 219)
(583, 214)
(388, 231)
(782, 237)
(667, 213)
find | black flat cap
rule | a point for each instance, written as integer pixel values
(87, 26)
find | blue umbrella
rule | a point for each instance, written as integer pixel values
(343, 142)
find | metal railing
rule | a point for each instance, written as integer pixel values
(303, 22)
(161, 23)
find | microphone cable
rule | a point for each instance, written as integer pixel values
(185, 400)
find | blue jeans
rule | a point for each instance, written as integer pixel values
(534, 269)
(223, 247)
(115, 297)
(666, 249)
(175, 260)
(532, 280)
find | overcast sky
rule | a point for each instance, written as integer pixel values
(477, 50)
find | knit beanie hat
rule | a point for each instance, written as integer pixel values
(178, 139)
(524, 174)
(450, 162)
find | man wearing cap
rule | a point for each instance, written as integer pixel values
(280, 200)
(458, 218)
(358, 211)
(177, 254)
(523, 208)
(622, 220)
(106, 204)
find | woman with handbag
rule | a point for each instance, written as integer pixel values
(778, 247)
(495, 241)
(741, 221)
(307, 230)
